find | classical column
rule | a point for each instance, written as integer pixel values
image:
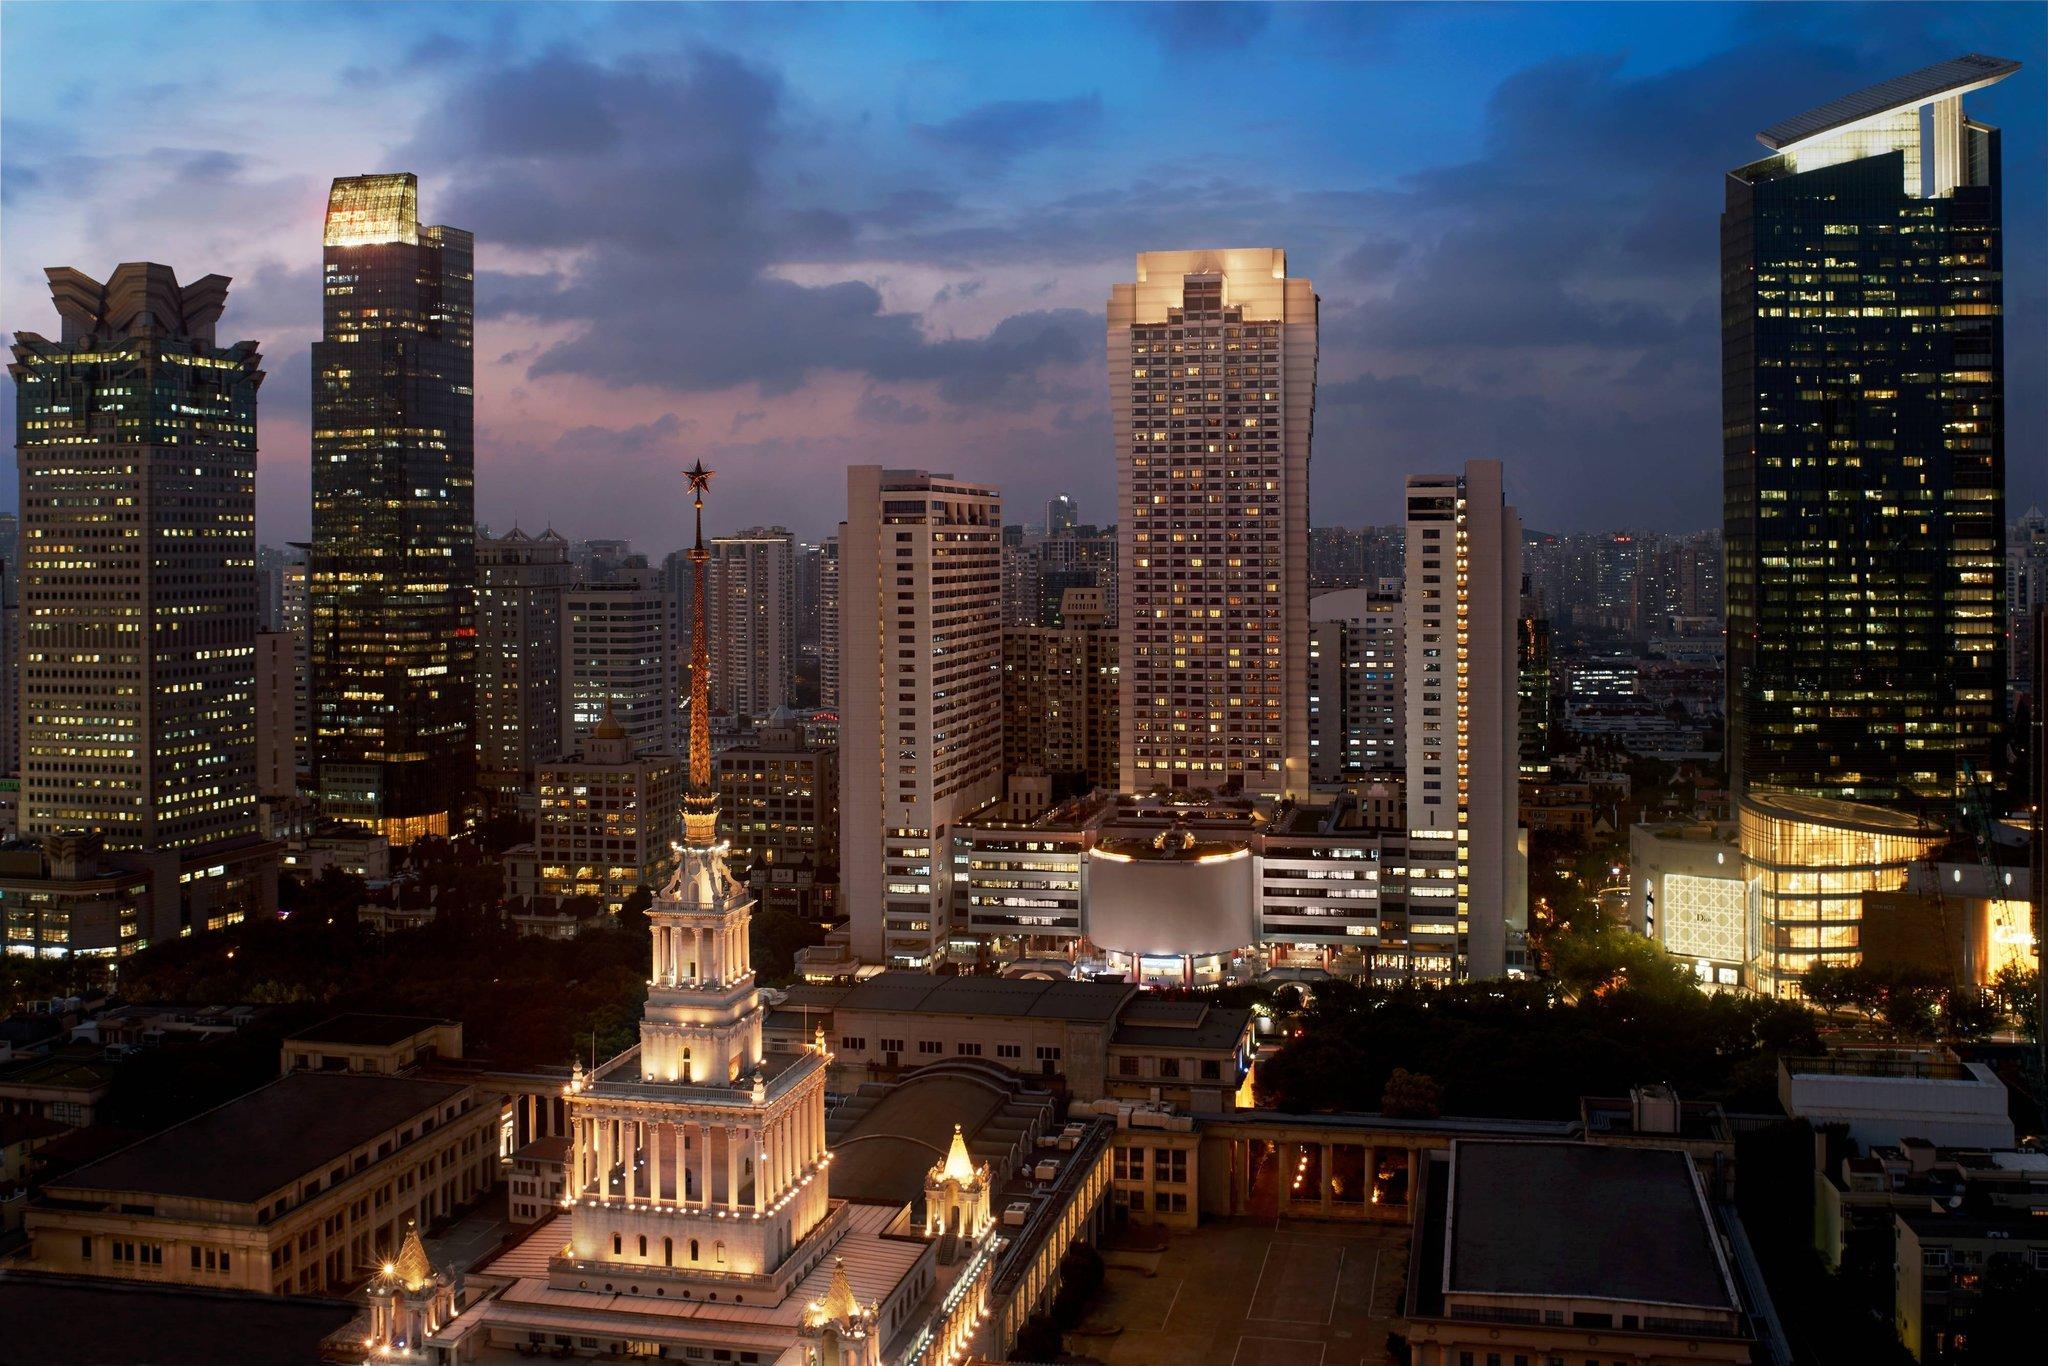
(604, 1156)
(704, 1162)
(757, 1145)
(629, 1149)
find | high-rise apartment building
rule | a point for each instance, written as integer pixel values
(921, 710)
(277, 768)
(1060, 696)
(1062, 513)
(618, 653)
(606, 820)
(137, 456)
(521, 606)
(1532, 643)
(1356, 680)
(1336, 559)
(828, 623)
(752, 592)
(393, 563)
(1864, 457)
(1467, 885)
(295, 617)
(1212, 368)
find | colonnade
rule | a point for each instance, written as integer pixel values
(686, 954)
(678, 1156)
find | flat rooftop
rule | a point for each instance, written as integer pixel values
(1581, 1220)
(922, 993)
(242, 1151)
(161, 1325)
(367, 1031)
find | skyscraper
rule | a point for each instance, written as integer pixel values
(753, 620)
(137, 455)
(1061, 513)
(1212, 361)
(1864, 459)
(828, 623)
(1462, 599)
(618, 652)
(921, 703)
(521, 609)
(1060, 695)
(393, 564)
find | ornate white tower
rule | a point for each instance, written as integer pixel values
(695, 1156)
(839, 1329)
(409, 1300)
(956, 1195)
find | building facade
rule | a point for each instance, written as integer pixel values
(779, 810)
(136, 448)
(1212, 376)
(1060, 695)
(1462, 596)
(920, 734)
(752, 610)
(277, 770)
(607, 819)
(1357, 716)
(619, 653)
(1864, 459)
(393, 561)
(521, 606)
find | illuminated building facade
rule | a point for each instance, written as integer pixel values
(1060, 695)
(393, 561)
(1864, 462)
(1808, 861)
(136, 447)
(1467, 884)
(522, 581)
(828, 623)
(1212, 379)
(619, 652)
(1356, 712)
(606, 819)
(921, 697)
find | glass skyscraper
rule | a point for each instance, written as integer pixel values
(393, 562)
(1864, 460)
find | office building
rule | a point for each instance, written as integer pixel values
(1864, 457)
(1356, 713)
(295, 619)
(393, 561)
(2026, 592)
(618, 653)
(1336, 559)
(921, 706)
(752, 617)
(606, 822)
(1212, 368)
(779, 810)
(137, 457)
(1060, 696)
(1462, 600)
(1061, 514)
(521, 604)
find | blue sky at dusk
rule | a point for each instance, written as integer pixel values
(791, 238)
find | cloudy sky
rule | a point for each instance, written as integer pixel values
(786, 239)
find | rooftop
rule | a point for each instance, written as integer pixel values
(895, 1133)
(371, 1031)
(1148, 1023)
(242, 1151)
(1009, 997)
(1582, 1220)
(162, 1325)
(1929, 83)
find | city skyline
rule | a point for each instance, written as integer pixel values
(958, 329)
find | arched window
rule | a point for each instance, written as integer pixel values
(693, 1249)
(643, 1245)
(668, 1252)
(718, 1253)
(617, 1245)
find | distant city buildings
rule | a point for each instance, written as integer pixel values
(1357, 718)
(393, 567)
(828, 623)
(1865, 450)
(2026, 592)
(1060, 695)
(752, 619)
(606, 821)
(521, 625)
(921, 704)
(779, 809)
(1212, 394)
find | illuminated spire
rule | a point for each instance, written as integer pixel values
(700, 803)
(412, 1269)
(959, 1166)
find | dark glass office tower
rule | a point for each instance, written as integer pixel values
(393, 562)
(1863, 420)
